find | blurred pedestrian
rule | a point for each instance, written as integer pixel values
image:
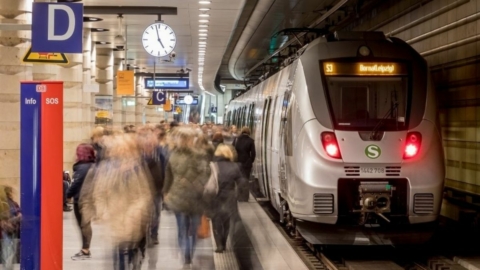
(186, 175)
(152, 156)
(121, 198)
(84, 161)
(224, 205)
(217, 139)
(66, 184)
(10, 221)
(245, 147)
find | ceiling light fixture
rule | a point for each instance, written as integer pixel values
(102, 42)
(202, 38)
(202, 42)
(204, 2)
(119, 40)
(92, 19)
(203, 25)
(99, 29)
(204, 9)
(204, 15)
(202, 30)
(203, 21)
(203, 34)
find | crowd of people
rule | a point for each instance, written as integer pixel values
(125, 178)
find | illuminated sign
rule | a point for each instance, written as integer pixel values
(167, 83)
(373, 69)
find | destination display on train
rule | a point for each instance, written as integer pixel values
(364, 68)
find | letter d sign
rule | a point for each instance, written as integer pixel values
(57, 27)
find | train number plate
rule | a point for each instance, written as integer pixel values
(372, 170)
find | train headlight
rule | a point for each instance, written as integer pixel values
(364, 51)
(412, 145)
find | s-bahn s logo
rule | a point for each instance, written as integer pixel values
(373, 151)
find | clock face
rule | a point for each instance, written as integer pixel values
(159, 39)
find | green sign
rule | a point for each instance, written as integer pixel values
(373, 151)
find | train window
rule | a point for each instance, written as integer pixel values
(365, 103)
(289, 127)
(227, 122)
(234, 117)
(252, 119)
(244, 116)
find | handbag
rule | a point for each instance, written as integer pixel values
(211, 188)
(204, 228)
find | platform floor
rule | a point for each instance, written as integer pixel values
(263, 246)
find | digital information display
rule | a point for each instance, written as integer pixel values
(167, 83)
(364, 69)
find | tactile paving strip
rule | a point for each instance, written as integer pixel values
(225, 260)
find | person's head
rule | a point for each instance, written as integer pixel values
(97, 134)
(233, 128)
(246, 130)
(201, 140)
(9, 192)
(217, 137)
(85, 153)
(225, 151)
(146, 139)
(181, 137)
(173, 124)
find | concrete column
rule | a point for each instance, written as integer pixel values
(12, 71)
(118, 110)
(87, 117)
(104, 72)
(73, 134)
(139, 102)
(93, 73)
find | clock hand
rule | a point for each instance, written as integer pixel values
(158, 36)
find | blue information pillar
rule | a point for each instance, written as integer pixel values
(41, 173)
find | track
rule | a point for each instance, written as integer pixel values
(424, 257)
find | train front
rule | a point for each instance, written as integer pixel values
(380, 158)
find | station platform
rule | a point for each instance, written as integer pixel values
(264, 245)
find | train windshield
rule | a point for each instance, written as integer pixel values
(368, 102)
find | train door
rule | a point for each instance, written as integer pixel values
(272, 154)
(285, 121)
(264, 154)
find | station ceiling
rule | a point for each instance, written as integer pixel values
(234, 34)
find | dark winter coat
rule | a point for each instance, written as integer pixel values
(80, 170)
(186, 174)
(229, 176)
(245, 147)
(155, 169)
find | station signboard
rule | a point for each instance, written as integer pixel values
(167, 83)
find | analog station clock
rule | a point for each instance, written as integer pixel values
(159, 39)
